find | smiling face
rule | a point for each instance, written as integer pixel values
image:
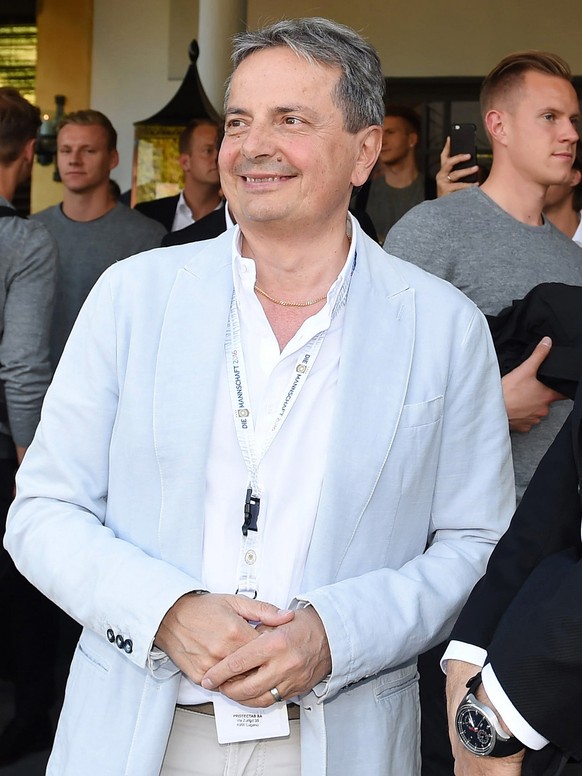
(286, 158)
(84, 158)
(539, 128)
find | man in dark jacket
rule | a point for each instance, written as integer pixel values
(201, 193)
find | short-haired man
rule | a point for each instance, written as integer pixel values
(282, 414)
(198, 146)
(493, 242)
(397, 184)
(28, 268)
(92, 229)
(562, 204)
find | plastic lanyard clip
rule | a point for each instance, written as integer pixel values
(252, 507)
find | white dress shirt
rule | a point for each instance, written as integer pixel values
(227, 216)
(291, 472)
(183, 216)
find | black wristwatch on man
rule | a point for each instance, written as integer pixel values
(479, 729)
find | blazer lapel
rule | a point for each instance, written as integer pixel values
(375, 364)
(190, 355)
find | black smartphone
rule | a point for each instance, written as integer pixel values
(463, 142)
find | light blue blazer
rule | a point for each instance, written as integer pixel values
(109, 515)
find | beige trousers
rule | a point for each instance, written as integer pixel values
(193, 750)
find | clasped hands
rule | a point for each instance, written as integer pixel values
(210, 638)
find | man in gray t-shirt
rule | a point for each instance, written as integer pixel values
(397, 184)
(494, 244)
(91, 228)
(494, 258)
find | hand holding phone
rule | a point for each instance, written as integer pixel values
(463, 142)
(454, 173)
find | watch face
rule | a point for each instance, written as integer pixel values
(475, 730)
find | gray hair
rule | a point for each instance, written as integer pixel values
(359, 93)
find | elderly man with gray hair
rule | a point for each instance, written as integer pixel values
(262, 482)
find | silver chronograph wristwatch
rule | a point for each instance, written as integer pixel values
(479, 729)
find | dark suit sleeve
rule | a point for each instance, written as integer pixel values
(536, 652)
(546, 521)
(527, 610)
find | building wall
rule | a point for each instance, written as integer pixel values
(444, 37)
(135, 59)
(65, 48)
(126, 59)
(138, 45)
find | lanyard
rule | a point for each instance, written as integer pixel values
(252, 453)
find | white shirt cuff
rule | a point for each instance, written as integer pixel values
(507, 711)
(468, 653)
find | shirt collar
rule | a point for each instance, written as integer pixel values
(182, 207)
(245, 273)
(227, 217)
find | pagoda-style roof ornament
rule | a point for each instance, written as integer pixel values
(156, 168)
(189, 102)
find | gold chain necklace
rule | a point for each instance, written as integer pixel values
(290, 304)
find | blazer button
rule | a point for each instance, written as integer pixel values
(128, 646)
(120, 641)
(110, 636)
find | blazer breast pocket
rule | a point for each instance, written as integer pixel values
(424, 413)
